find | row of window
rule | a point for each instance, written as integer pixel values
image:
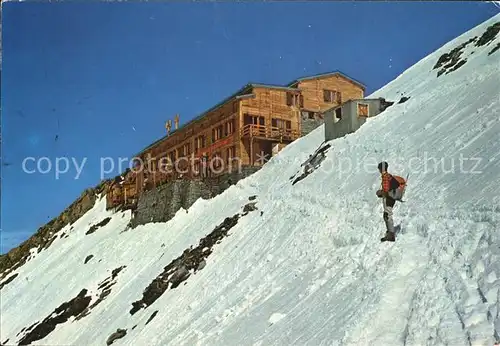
(329, 96)
(250, 119)
(220, 158)
(221, 131)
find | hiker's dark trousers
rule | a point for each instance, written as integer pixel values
(388, 206)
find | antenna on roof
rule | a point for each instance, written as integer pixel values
(176, 121)
(168, 126)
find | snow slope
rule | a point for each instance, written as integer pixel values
(307, 267)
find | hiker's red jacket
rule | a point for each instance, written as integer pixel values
(386, 181)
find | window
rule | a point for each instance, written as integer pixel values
(229, 128)
(332, 96)
(199, 142)
(187, 149)
(253, 119)
(362, 110)
(329, 96)
(338, 113)
(294, 100)
(281, 123)
(217, 133)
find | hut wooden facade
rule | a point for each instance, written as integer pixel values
(245, 129)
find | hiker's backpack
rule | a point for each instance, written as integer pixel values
(397, 187)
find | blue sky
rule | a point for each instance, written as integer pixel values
(91, 80)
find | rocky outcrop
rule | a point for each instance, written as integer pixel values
(8, 280)
(120, 333)
(449, 62)
(94, 228)
(46, 234)
(152, 316)
(312, 163)
(497, 47)
(403, 99)
(60, 315)
(88, 258)
(489, 35)
(191, 261)
(78, 307)
(105, 288)
(453, 60)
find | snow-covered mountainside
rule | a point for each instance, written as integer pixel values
(269, 262)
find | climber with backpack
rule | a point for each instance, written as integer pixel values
(392, 190)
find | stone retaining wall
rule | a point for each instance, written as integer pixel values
(161, 204)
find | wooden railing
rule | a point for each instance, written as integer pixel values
(269, 132)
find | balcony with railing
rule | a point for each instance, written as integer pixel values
(268, 132)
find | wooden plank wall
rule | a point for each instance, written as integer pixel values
(186, 135)
(268, 103)
(313, 91)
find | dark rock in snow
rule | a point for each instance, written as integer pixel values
(120, 333)
(181, 274)
(385, 104)
(251, 198)
(489, 35)
(60, 315)
(457, 66)
(249, 207)
(452, 61)
(404, 99)
(105, 288)
(202, 265)
(497, 47)
(152, 316)
(27, 329)
(116, 271)
(313, 162)
(191, 260)
(96, 226)
(88, 258)
(9, 280)
(448, 61)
